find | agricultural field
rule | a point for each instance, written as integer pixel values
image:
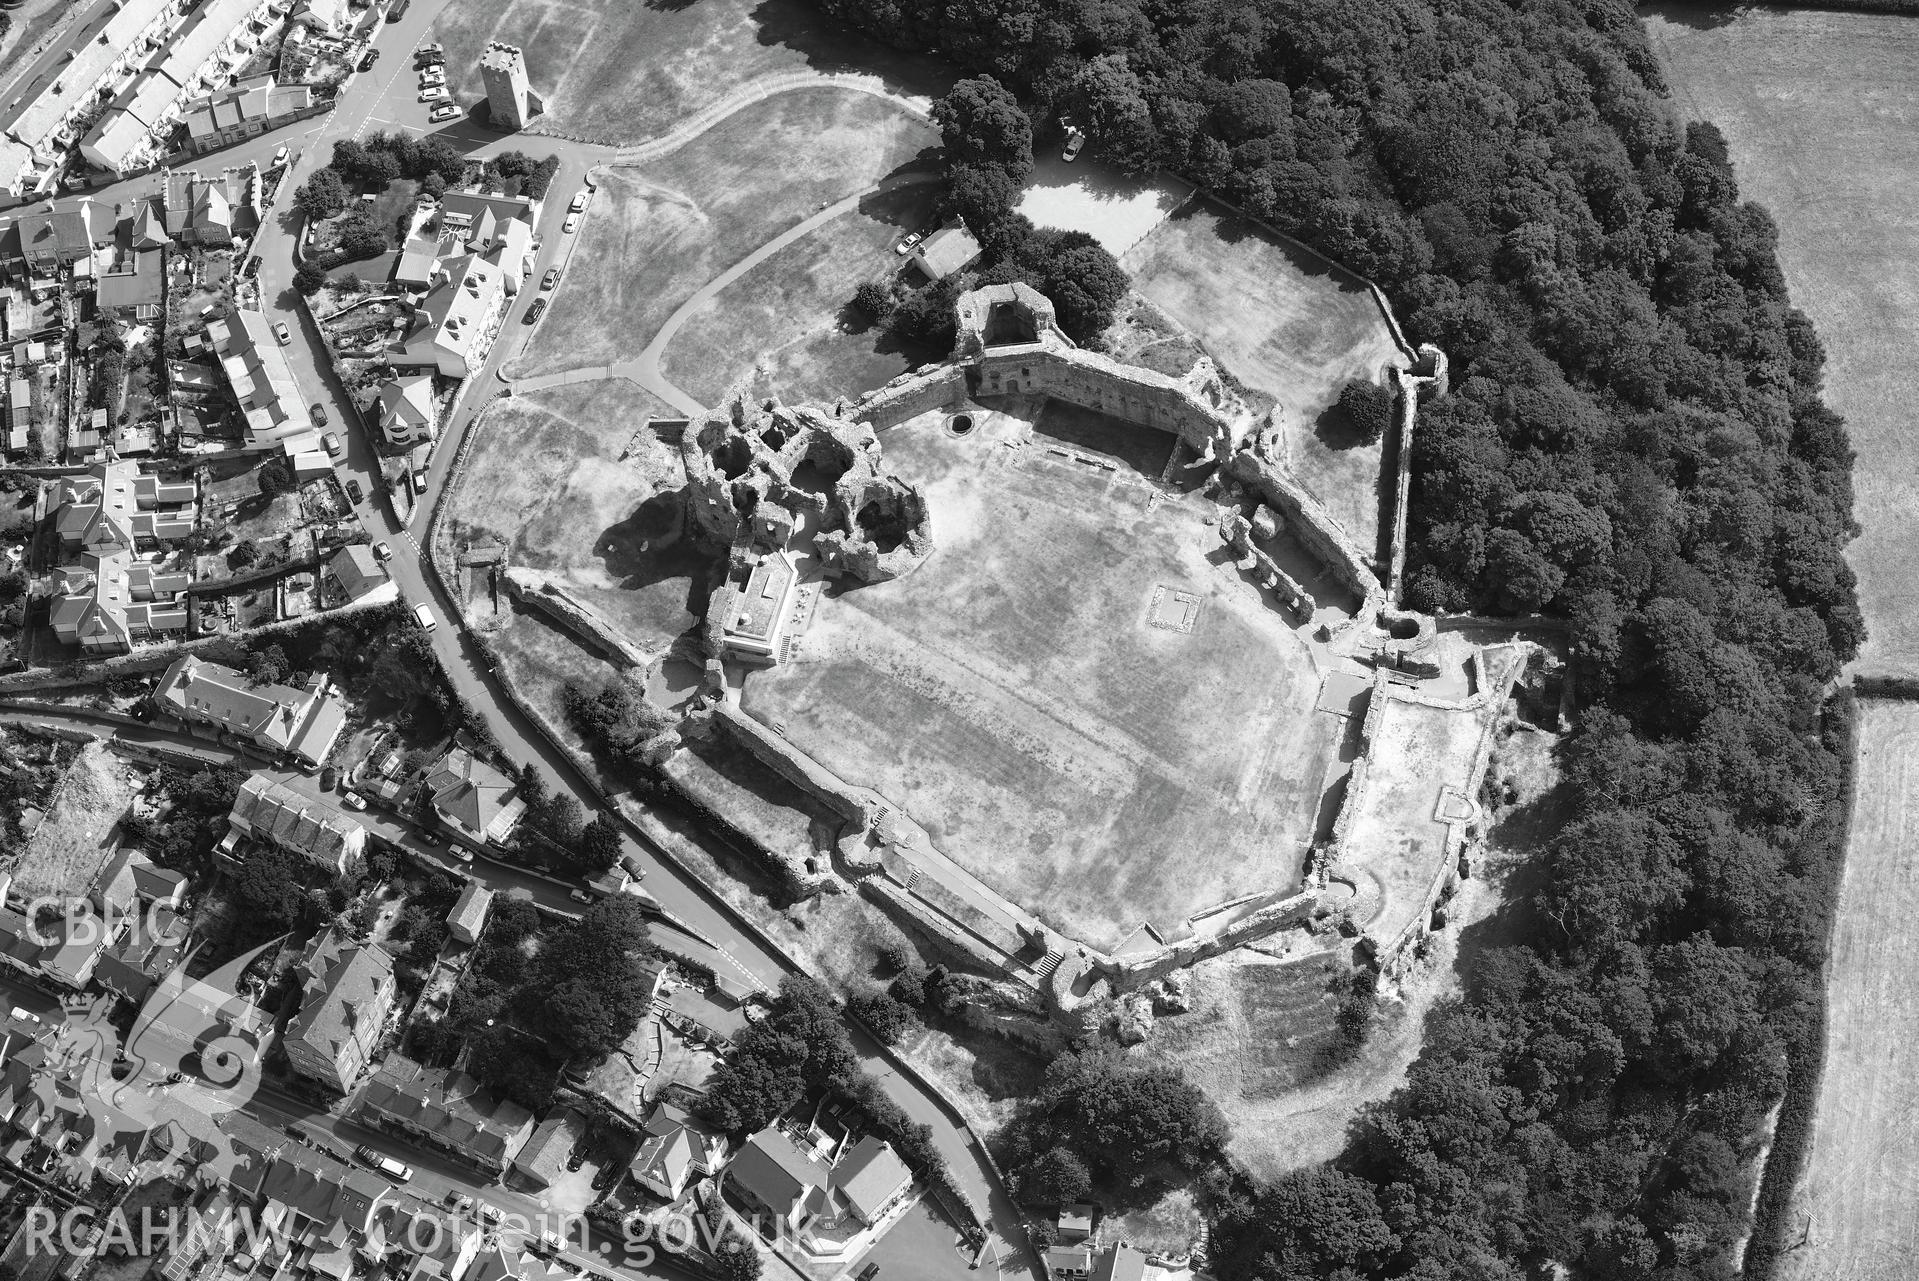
(1061, 744)
(660, 232)
(1856, 1189)
(1823, 125)
(546, 477)
(786, 325)
(622, 73)
(1285, 323)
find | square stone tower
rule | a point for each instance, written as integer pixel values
(510, 99)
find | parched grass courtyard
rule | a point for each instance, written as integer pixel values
(660, 232)
(1031, 695)
(787, 324)
(546, 477)
(1285, 323)
(623, 72)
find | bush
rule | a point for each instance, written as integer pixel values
(309, 279)
(321, 196)
(887, 1018)
(1368, 407)
(873, 298)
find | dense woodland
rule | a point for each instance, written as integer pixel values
(1634, 440)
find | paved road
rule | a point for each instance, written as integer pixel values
(384, 99)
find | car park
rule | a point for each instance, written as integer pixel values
(331, 443)
(382, 551)
(318, 411)
(354, 493)
(551, 278)
(445, 111)
(537, 310)
(572, 223)
(281, 332)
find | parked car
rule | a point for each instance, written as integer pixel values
(868, 1272)
(329, 778)
(579, 896)
(280, 156)
(537, 310)
(552, 1241)
(425, 617)
(436, 94)
(1075, 139)
(551, 278)
(281, 332)
(299, 1134)
(458, 1201)
(445, 111)
(431, 839)
(579, 202)
(419, 482)
(331, 443)
(372, 56)
(19, 1015)
(353, 801)
(354, 493)
(382, 551)
(319, 414)
(912, 239)
(572, 224)
(398, 1171)
(490, 1213)
(433, 49)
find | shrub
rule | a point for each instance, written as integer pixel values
(1368, 407)
(887, 1017)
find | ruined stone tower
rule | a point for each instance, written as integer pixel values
(509, 97)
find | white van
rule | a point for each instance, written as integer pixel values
(398, 1171)
(425, 616)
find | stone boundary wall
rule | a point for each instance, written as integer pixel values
(1138, 395)
(908, 396)
(1323, 536)
(795, 766)
(1392, 953)
(575, 617)
(1410, 385)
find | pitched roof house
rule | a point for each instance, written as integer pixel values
(348, 992)
(275, 813)
(467, 919)
(447, 1110)
(543, 1157)
(474, 798)
(257, 370)
(303, 723)
(772, 1173)
(406, 409)
(452, 327)
(871, 1179)
(675, 1149)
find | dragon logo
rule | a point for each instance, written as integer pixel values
(193, 1054)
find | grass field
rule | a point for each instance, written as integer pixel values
(1861, 1177)
(781, 323)
(1282, 322)
(624, 72)
(1824, 128)
(660, 232)
(545, 476)
(1011, 695)
(540, 659)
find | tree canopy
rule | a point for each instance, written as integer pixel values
(1634, 440)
